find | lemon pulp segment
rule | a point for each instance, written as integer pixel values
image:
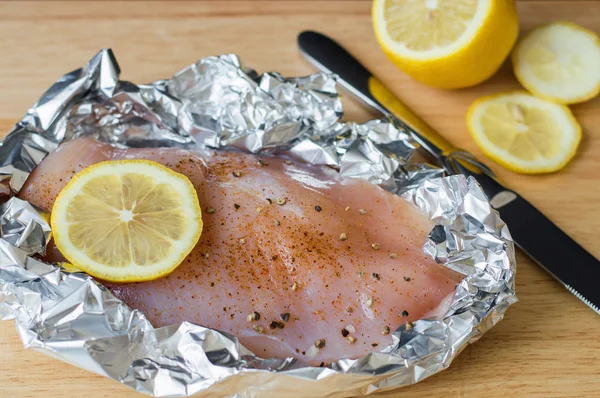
(429, 25)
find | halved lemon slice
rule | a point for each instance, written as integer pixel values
(559, 62)
(127, 220)
(446, 43)
(524, 133)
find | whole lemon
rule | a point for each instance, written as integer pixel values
(446, 43)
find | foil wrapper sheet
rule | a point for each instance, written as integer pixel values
(216, 102)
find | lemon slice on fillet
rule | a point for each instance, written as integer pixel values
(559, 62)
(127, 220)
(524, 133)
(446, 43)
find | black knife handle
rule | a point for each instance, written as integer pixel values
(333, 57)
(357, 79)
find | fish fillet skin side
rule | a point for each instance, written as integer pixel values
(293, 260)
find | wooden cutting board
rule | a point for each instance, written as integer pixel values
(548, 344)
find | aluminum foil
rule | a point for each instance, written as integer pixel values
(216, 102)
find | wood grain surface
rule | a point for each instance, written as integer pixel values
(549, 343)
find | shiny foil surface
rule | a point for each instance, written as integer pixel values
(216, 102)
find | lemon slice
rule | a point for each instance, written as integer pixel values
(127, 220)
(559, 62)
(446, 43)
(524, 133)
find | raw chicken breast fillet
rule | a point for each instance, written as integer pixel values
(293, 260)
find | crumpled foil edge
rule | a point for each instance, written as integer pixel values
(215, 102)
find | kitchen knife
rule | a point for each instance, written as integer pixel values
(533, 232)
